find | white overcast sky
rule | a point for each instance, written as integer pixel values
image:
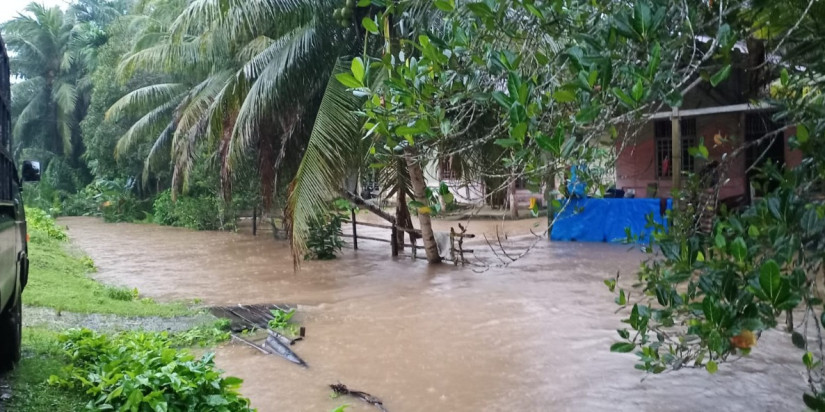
(10, 8)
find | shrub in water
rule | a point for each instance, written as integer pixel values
(325, 237)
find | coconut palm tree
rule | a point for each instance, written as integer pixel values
(47, 52)
(245, 82)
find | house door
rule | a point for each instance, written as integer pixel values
(759, 155)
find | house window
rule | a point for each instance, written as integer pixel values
(664, 146)
(757, 125)
(446, 170)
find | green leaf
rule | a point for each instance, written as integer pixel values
(502, 99)
(519, 131)
(588, 114)
(813, 402)
(231, 381)
(770, 279)
(798, 340)
(712, 367)
(621, 300)
(623, 97)
(808, 360)
(674, 99)
(480, 9)
(444, 5)
(753, 231)
(611, 285)
(784, 78)
(507, 142)
(638, 90)
(700, 257)
(348, 80)
(655, 59)
(622, 347)
(550, 144)
(592, 77)
(623, 333)
(712, 311)
(418, 128)
(518, 114)
(358, 70)
(720, 76)
(564, 96)
(738, 249)
(370, 25)
(720, 242)
(135, 398)
(802, 133)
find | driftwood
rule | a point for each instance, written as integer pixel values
(341, 389)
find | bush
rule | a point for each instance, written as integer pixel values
(114, 200)
(142, 372)
(122, 294)
(325, 237)
(198, 213)
(41, 225)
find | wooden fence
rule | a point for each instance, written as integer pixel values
(457, 250)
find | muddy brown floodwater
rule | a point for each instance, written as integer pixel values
(533, 336)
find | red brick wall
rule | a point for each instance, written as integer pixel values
(636, 164)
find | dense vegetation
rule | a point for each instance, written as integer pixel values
(190, 111)
(58, 369)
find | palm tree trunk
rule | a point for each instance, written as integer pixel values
(419, 190)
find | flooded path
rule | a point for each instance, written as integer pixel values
(530, 337)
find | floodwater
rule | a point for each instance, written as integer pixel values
(531, 336)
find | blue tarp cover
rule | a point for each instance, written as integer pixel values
(605, 220)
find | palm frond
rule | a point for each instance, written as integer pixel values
(145, 98)
(265, 92)
(160, 147)
(334, 150)
(146, 124)
(161, 57)
(65, 95)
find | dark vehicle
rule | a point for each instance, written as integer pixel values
(14, 261)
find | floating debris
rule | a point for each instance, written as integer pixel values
(252, 317)
(341, 389)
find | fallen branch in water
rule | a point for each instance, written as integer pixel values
(341, 389)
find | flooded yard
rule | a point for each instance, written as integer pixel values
(530, 336)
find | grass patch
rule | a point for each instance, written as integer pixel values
(42, 357)
(58, 279)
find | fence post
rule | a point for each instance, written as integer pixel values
(394, 240)
(255, 221)
(452, 246)
(354, 230)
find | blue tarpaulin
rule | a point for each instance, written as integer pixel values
(605, 220)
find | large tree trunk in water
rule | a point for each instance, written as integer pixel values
(513, 200)
(419, 189)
